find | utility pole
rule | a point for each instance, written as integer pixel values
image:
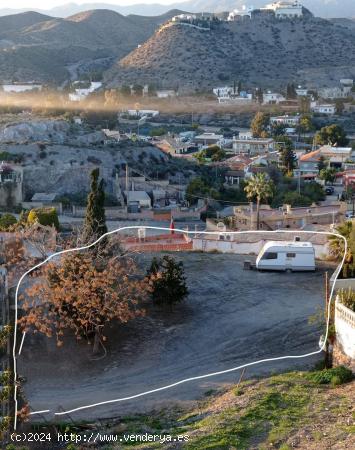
(251, 215)
(327, 361)
(299, 181)
(127, 178)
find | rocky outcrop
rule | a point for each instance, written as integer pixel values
(39, 131)
(48, 132)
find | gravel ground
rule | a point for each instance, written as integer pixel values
(231, 317)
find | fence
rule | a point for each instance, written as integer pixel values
(117, 213)
(345, 329)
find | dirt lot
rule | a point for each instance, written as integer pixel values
(231, 317)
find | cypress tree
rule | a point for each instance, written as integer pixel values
(95, 220)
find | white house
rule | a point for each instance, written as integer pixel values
(209, 139)
(229, 94)
(336, 155)
(247, 144)
(292, 121)
(329, 109)
(347, 82)
(301, 92)
(285, 9)
(19, 88)
(166, 93)
(223, 92)
(270, 98)
(236, 13)
(335, 92)
(184, 18)
(245, 135)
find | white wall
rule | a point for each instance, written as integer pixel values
(345, 329)
(241, 248)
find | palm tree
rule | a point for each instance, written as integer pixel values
(336, 244)
(260, 188)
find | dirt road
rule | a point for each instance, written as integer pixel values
(231, 317)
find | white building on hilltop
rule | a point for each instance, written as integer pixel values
(285, 8)
(236, 13)
(184, 18)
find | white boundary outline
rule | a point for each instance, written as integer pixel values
(186, 380)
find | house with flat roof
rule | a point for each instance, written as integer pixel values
(328, 108)
(246, 144)
(301, 91)
(166, 93)
(291, 121)
(285, 9)
(209, 139)
(272, 98)
(337, 156)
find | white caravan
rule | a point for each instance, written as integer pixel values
(286, 256)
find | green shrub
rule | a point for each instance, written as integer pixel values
(7, 221)
(157, 132)
(44, 216)
(335, 381)
(338, 374)
(5, 393)
(5, 377)
(238, 391)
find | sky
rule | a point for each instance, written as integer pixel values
(48, 4)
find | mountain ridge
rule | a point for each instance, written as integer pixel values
(38, 47)
(321, 8)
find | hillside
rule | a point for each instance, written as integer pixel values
(283, 412)
(18, 21)
(41, 47)
(263, 51)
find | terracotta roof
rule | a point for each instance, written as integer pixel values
(311, 156)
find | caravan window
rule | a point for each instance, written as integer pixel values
(270, 255)
(291, 255)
